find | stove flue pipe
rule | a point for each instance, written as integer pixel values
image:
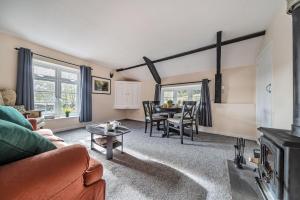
(293, 8)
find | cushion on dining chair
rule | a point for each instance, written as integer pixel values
(178, 121)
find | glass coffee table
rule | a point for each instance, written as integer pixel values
(106, 139)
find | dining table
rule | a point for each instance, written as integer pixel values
(171, 111)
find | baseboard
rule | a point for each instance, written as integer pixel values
(68, 128)
(77, 126)
(214, 132)
(236, 135)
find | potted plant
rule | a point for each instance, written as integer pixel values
(68, 109)
(170, 103)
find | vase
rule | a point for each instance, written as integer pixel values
(67, 114)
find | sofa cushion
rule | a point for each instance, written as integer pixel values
(9, 97)
(48, 134)
(20, 108)
(17, 142)
(12, 115)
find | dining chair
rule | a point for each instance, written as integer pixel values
(186, 120)
(150, 118)
(196, 117)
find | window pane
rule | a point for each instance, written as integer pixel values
(69, 97)
(45, 101)
(196, 95)
(68, 88)
(182, 95)
(42, 71)
(168, 95)
(44, 86)
(69, 75)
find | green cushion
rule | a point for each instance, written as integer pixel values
(17, 142)
(12, 115)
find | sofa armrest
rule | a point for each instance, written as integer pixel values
(34, 113)
(44, 175)
(94, 173)
(33, 123)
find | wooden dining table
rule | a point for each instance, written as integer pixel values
(169, 110)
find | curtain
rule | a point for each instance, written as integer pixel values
(205, 118)
(157, 92)
(24, 88)
(86, 94)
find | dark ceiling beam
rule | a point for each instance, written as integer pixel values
(152, 70)
(231, 41)
(218, 76)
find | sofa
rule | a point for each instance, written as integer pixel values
(67, 172)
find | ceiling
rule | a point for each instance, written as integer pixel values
(118, 33)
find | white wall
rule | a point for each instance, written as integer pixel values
(279, 36)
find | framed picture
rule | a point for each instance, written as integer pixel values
(101, 85)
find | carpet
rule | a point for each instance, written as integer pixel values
(161, 168)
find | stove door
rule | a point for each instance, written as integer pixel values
(271, 168)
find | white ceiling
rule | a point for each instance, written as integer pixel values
(118, 33)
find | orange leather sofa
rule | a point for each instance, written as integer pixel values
(64, 173)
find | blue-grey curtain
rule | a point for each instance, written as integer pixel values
(86, 94)
(205, 118)
(157, 92)
(24, 88)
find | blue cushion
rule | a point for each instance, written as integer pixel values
(17, 142)
(12, 115)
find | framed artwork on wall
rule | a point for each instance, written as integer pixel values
(101, 85)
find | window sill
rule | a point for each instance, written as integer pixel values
(56, 118)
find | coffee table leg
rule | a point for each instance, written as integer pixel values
(92, 141)
(122, 144)
(109, 148)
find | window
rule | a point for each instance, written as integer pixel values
(181, 93)
(56, 88)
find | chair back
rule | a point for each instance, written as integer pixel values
(188, 110)
(147, 109)
(196, 113)
(155, 106)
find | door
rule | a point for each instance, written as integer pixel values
(120, 95)
(264, 88)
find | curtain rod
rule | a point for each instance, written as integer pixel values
(185, 83)
(52, 58)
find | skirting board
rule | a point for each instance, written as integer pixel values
(77, 126)
(218, 132)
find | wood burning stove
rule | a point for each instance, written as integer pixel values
(271, 169)
(279, 170)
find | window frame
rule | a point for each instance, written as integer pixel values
(175, 88)
(58, 81)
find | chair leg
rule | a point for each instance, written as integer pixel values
(196, 124)
(158, 125)
(168, 129)
(151, 125)
(164, 126)
(146, 123)
(192, 137)
(181, 133)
